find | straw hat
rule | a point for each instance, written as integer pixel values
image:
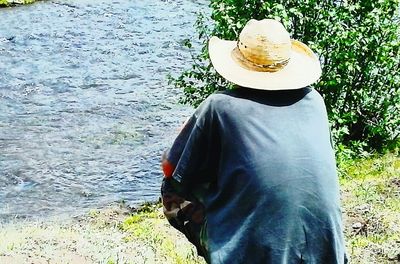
(265, 58)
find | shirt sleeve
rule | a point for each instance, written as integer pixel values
(194, 152)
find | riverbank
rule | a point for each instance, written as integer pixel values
(6, 3)
(108, 236)
(371, 210)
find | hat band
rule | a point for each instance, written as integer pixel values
(276, 66)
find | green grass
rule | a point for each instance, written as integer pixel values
(371, 206)
(150, 226)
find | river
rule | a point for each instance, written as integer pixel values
(85, 108)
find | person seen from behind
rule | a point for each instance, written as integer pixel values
(251, 178)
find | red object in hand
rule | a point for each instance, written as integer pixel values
(167, 168)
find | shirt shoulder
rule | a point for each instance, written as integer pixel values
(212, 104)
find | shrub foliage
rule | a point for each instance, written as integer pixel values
(359, 47)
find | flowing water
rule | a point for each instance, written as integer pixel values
(85, 109)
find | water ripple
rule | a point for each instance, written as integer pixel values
(85, 110)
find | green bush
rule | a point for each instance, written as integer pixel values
(358, 43)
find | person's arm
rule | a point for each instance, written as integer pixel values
(187, 159)
(186, 166)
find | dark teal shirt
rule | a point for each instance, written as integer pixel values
(263, 165)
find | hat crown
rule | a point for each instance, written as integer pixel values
(264, 57)
(265, 42)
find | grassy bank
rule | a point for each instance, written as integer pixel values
(149, 225)
(6, 3)
(371, 204)
(115, 235)
(107, 236)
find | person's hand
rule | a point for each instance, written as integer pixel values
(171, 205)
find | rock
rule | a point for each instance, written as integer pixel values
(394, 257)
(357, 225)
(364, 208)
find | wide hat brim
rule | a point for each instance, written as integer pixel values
(302, 69)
